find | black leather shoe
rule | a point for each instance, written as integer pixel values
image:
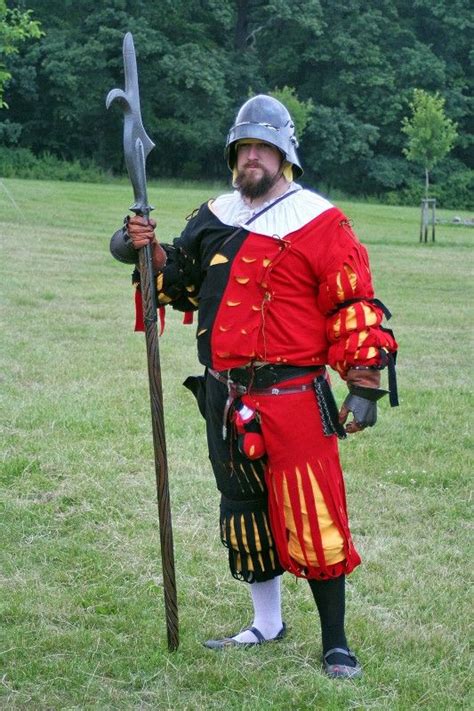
(231, 642)
(341, 671)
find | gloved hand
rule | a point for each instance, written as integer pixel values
(364, 392)
(142, 232)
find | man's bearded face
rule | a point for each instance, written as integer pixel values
(258, 169)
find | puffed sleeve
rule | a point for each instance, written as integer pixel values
(179, 281)
(353, 316)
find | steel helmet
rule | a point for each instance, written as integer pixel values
(266, 119)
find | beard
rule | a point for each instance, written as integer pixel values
(252, 187)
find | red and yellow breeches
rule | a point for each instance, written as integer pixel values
(306, 493)
(288, 510)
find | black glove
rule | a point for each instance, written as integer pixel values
(362, 402)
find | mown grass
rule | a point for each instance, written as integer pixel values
(82, 603)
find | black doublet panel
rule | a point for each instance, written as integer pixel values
(204, 237)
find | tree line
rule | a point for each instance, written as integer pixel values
(351, 66)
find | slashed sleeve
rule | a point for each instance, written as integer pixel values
(353, 316)
(179, 282)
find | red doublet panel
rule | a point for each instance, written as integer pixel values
(270, 310)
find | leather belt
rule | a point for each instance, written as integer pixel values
(265, 378)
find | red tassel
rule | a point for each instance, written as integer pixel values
(188, 317)
(139, 322)
(162, 314)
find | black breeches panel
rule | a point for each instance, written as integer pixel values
(244, 525)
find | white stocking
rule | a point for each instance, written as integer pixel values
(266, 599)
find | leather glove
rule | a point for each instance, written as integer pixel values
(364, 392)
(141, 232)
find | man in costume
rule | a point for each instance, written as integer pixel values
(283, 288)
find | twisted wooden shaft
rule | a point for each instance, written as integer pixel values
(159, 445)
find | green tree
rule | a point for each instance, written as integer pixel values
(15, 27)
(357, 62)
(431, 134)
(335, 143)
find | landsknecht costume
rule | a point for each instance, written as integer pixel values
(281, 292)
(292, 289)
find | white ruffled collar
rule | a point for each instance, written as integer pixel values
(290, 214)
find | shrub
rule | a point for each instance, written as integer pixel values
(22, 163)
(453, 189)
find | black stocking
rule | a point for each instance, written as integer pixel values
(330, 599)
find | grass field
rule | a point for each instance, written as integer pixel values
(82, 615)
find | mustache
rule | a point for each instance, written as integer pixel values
(252, 164)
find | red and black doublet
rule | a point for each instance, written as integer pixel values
(293, 290)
